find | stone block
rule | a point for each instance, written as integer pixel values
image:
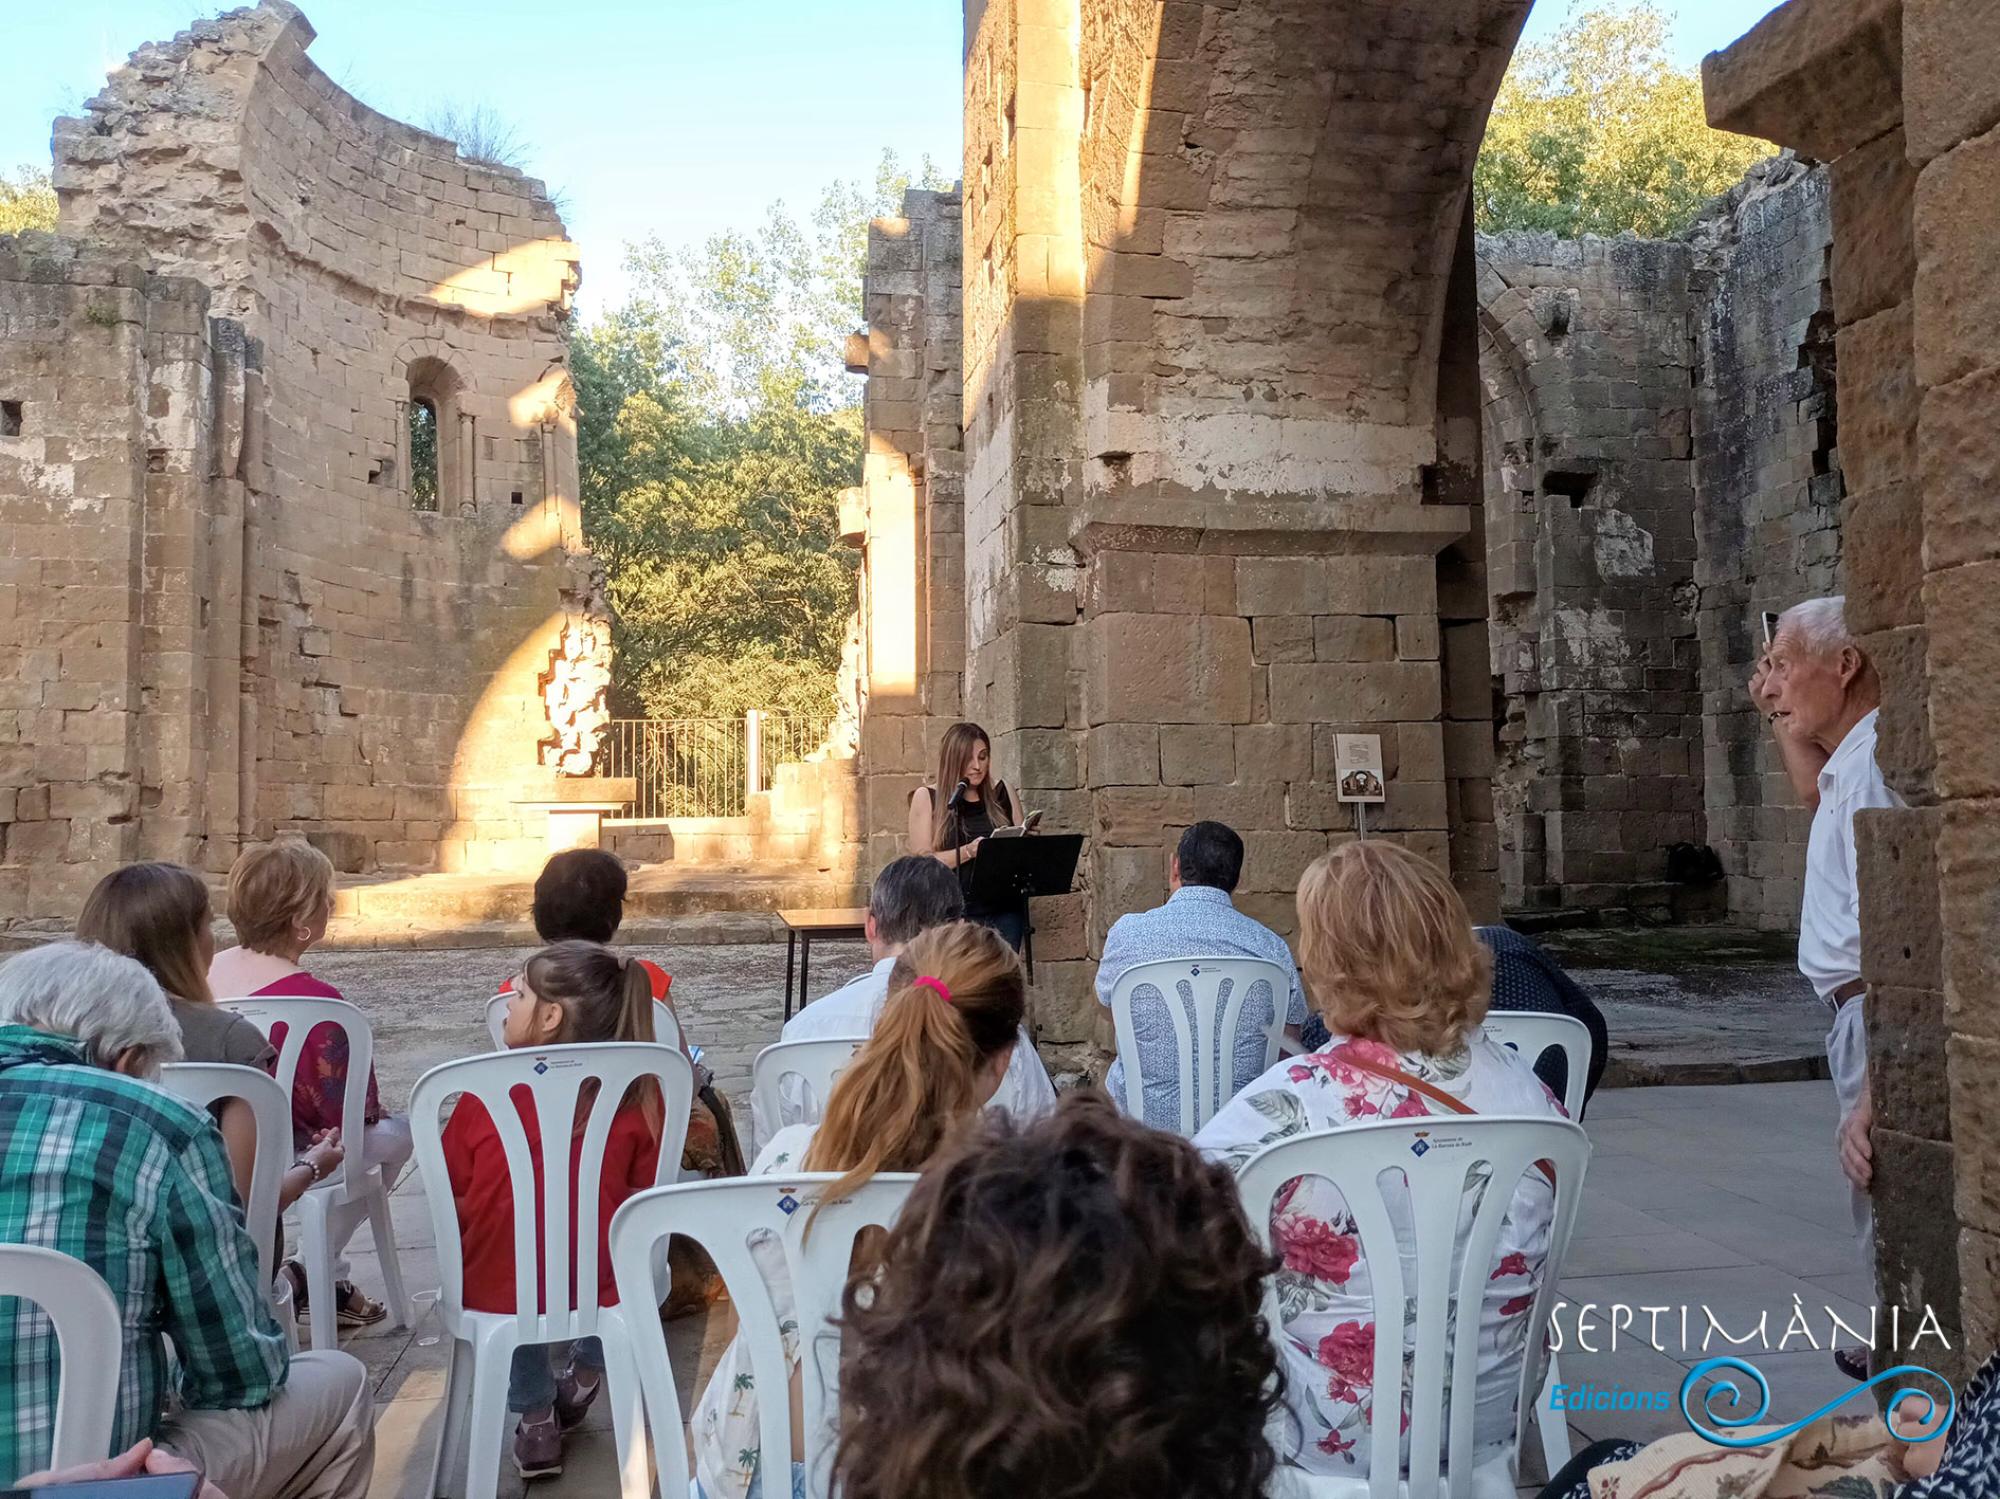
(1903, 746)
(1975, 1130)
(1878, 400)
(1192, 754)
(1061, 923)
(1141, 815)
(1355, 637)
(1874, 245)
(1882, 544)
(1958, 440)
(1123, 880)
(1167, 668)
(1063, 1004)
(1958, 265)
(1322, 692)
(1273, 751)
(1916, 1241)
(1902, 943)
(1951, 73)
(1822, 79)
(1281, 637)
(349, 852)
(1316, 806)
(1964, 661)
(1906, 1057)
(1968, 874)
(1417, 637)
(1468, 675)
(1273, 862)
(1124, 754)
(1046, 759)
(1360, 584)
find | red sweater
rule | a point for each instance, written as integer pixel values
(483, 1194)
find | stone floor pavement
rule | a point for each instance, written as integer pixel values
(1719, 1197)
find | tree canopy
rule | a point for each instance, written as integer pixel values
(1595, 132)
(27, 201)
(717, 427)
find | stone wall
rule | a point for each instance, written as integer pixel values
(320, 654)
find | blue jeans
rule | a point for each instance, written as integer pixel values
(1011, 925)
(531, 1382)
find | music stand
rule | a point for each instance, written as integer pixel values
(1009, 871)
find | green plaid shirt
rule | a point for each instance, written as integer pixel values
(136, 1184)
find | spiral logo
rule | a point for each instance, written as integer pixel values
(1728, 1421)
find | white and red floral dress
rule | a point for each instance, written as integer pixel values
(1324, 1293)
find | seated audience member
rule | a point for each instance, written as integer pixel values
(99, 1163)
(569, 993)
(1391, 963)
(280, 901)
(1072, 1309)
(159, 915)
(937, 1055)
(1199, 920)
(580, 897)
(911, 895)
(1526, 980)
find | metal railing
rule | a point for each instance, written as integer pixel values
(707, 767)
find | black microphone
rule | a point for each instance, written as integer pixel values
(957, 796)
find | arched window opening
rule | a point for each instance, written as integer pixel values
(438, 441)
(423, 416)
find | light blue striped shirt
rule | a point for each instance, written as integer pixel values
(1198, 921)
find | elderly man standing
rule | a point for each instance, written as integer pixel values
(98, 1163)
(1822, 697)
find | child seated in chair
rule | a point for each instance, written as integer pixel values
(570, 993)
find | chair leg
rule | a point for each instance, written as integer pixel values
(628, 1407)
(316, 1250)
(1553, 1424)
(384, 1229)
(451, 1435)
(486, 1427)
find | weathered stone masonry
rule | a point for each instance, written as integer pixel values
(229, 618)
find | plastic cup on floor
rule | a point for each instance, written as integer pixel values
(425, 1303)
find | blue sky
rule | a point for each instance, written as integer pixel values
(670, 117)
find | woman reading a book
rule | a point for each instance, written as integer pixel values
(952, 818)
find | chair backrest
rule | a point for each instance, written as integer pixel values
(1442, 1159)
(89, 1341)
(1531, 1034)
(666, 1025)
(1215, 990)
(724, 1217)
(286, 1021)
(553, 1079)
(815, 1064)
(205, 1083)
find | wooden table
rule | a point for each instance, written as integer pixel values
(832, 924)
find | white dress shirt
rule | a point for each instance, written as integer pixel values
(849, 1011)
(1830, 918)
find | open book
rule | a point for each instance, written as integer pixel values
(1028, 825)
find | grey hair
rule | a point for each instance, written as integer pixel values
(913, 894)
(91, 994)
(1820, 625)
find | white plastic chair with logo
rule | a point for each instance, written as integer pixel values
(790, 1081)
(89, 1341)
(1441, 1158)
(1531, 1034)
(818, 1247)
(204, 1084)
(1215, 991)
(666, 1026)
(356, 1190)
(483, 1343)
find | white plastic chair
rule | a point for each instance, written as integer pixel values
(1437, 1156)
(335, 1207)
(89, 1340)
(666, 1026)
(818, 1247)
(483, 1343)
(1533, 1033)
(204, 1084)
(1216, 990)
(795, 1079)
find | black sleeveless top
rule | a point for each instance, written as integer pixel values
(973, 819)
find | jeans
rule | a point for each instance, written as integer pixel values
(1012, 925)
(531, 1383)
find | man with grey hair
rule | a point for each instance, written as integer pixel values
(911, 895)
(1822, 697)
(98, 1163)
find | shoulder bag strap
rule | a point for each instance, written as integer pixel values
(1431, 1091)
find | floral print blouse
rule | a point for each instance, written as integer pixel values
(1324, 1294)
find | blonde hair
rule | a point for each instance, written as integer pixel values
(1387, 949)
(603, 996)
(153, 913)
(273, 886)
(916, 1081)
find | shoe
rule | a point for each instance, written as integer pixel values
(538, 1449)
(572, 1401)
(357, 1310)
(1853, 1362)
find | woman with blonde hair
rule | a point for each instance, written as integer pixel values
(280, 901)
(952, 819)
(1390, 960)
(938, 1052)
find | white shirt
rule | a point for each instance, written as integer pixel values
(1025, 1093)
(1830, 918)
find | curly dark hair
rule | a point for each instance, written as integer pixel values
(1071, 1310)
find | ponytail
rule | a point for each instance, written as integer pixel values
(604, 996)
(956, 1000)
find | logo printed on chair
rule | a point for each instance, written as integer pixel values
(1420, 1147)
(788, 1204)
(540, 1066)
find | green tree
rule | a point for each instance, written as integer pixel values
(27, 201)
(717, 427)
(1595, 132)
